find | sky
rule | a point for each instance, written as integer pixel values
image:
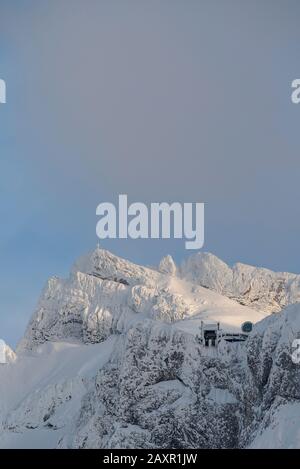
(166, 100)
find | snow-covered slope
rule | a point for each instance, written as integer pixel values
(259, 288)
(111, 359)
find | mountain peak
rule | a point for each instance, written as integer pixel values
(167, 265)
(108, 266)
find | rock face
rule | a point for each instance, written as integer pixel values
(256, 287)
(111, 360)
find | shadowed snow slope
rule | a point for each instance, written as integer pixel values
(110, 359)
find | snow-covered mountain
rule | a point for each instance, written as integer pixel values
(111, 358)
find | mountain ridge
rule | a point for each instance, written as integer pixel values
(105, 293)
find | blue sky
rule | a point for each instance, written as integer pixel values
(162, 100)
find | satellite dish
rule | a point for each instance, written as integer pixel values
(247, 326)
